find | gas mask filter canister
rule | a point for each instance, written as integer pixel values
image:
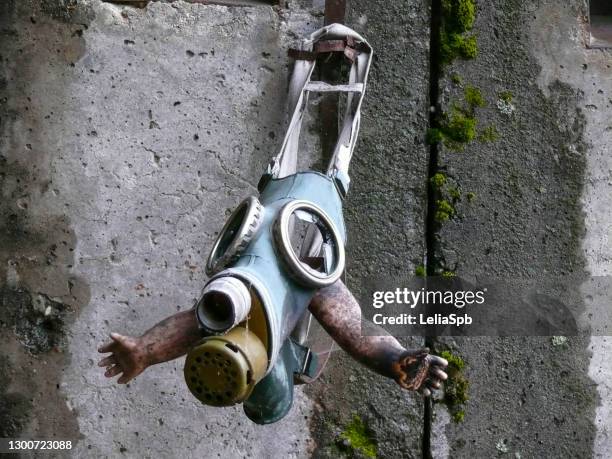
(223, 370)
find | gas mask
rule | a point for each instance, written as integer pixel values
(274, 252)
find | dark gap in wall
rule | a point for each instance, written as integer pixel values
(431, 263)
(601, 7)
(600, 23)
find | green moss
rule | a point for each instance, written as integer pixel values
(359, 437)
(438, 180)
(456, 79)
(444, 210)
(456, 392)
(445, 206)
(453, 45)
(460, 128)
(420, 271)
(458, 17)
(434, 135)
(506, 96)
(459, 416)
(456, 386)
(448, 274)
(455, 362)
(441, 217)
(489, 134)
(467, 47)
(473, 97)
(470, 196)
(454, 193)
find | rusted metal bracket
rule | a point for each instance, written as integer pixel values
(335, 12)
(348, 47)
(144, 3)
(134, 3)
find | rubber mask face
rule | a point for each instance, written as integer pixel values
(272, 253)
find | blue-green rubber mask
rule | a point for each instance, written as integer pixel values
(274, 252)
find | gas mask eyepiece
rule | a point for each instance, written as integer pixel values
(309, 244)
(240, 228)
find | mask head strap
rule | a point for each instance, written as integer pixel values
(332, 38)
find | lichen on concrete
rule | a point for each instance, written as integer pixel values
(457, 386)
(458, 18)
(357, 438)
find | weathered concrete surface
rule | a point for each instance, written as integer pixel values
(527, 397)
(385, 214)
(589, 71)
(127, 137)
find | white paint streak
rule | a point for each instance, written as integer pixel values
(559, 42)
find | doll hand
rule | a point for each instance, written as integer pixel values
(128, 357)
(419, 370)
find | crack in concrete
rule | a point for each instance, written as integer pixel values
(232, 172)
(435, 67)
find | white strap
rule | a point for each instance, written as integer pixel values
(285, 163)
(322, 86)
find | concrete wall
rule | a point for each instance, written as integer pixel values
(128, 135)
(538, 211)
(588, 71)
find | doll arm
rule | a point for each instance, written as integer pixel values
(169, 339)
(338, 312)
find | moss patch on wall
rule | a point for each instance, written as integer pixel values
(488, 134)
(458, 18)
(456, 386)
(438, 180)
(473, 97)
(356, 437)
(460, 126)
(444, 210)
